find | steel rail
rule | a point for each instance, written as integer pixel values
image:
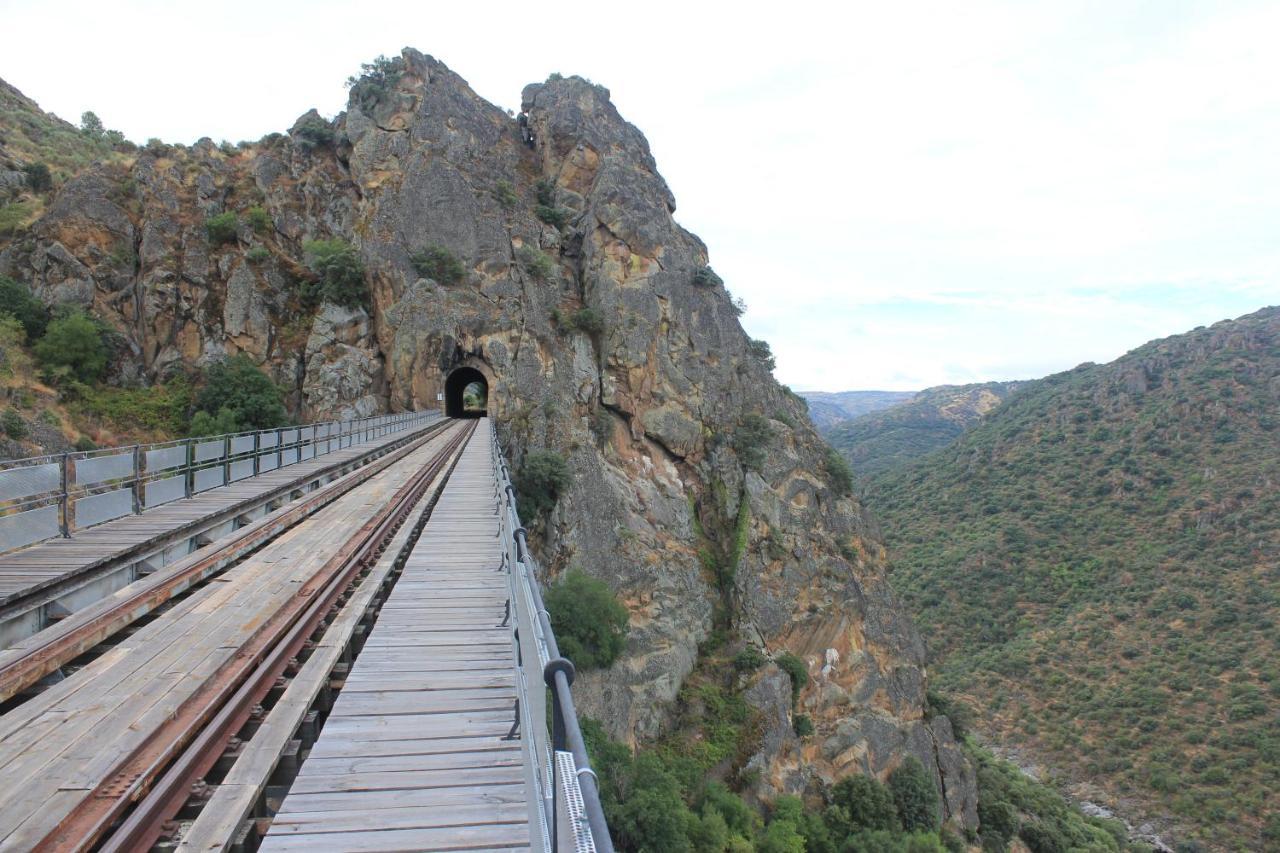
(158, 773)
(83, 630)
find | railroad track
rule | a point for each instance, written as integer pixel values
(25, 664)
(129, 803)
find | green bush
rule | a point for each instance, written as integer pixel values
(536, 263)
(376, 81)
(541, 479)
(998, 820)
(802, 725)
(91, 125)
(545, 190)
(257, 255)
(84, 443)
(38, 178)
(339, 273)
(439, 264)
(861, 803)
(751, 440)
(796, 669)
(314, 133)
(553, 216)
(839, 474)
(239, 387)
(915, 795)
(589, 621)
(762, 353)
(258, 218)
(162, 407)
(72, 345)
(14, 426)
(14, 217)
(221, 228)
(505, 193)
(586, 320)
(748, 660)
(204, 424)
(17, 300)
(706, 277)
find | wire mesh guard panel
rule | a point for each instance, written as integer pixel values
(571, 813)
(268, 439)
(96, 509)
(30, 480)
(267, 462)
(166, 457)
(23, 528)
(162, 491)
(242, 443)
(98, 469)
(241, 469)
(208, 478)
(207, 450)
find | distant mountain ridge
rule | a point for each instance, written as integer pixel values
(828, 408)
(906, 431)
(1096, 564)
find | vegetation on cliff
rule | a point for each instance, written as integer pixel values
(1094, 564)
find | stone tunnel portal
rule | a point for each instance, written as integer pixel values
(466, 393)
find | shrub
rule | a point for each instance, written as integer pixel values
(72, 345)
(225, 421)
(839, 474)
(258, 218)
(91, 125)
(706, 277)
(505, 193)
(861, 802)
(748, 660)
(257, 255)
(339, 273)
(802, 725)
(536, 263)
(439, 264)
(221, 228)
(15, 217)
(17, 300)
(1040, 839)
(915, 795)
(998, 820)
(14, 426)
(376, 81)
(84, 443)
(553, 216)
(796, 669)
(602, 425)
(762, 353)
(238, 386)
(586, 320)
(541, 479)
(313, 133)
(589, 621)
(38, 178)
(545, 189)
(751, 440)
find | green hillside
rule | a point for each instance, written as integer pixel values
(1097, 567)
(930, 421)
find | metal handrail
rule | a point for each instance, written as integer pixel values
(563, 780)
(185, 467)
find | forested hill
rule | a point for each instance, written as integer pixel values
(906, 431)
(1097, 566)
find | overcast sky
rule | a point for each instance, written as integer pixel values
(905, 194)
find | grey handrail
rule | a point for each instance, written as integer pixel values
(576, 782)
(42, 497)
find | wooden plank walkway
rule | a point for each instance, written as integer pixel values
(412, 756)
(57, 747)
(45, 563)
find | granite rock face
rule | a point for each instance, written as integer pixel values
(647, 405)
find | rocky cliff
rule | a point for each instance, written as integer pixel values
(649, 401)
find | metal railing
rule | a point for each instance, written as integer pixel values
(565, 807)
(42, 497)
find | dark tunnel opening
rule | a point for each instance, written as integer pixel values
(466, 393)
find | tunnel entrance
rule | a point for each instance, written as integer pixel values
(466, 393)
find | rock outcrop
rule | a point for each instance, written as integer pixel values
(647, 403)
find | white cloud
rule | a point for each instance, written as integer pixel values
(905, 194)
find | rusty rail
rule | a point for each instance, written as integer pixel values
(159, 772)
(82, 631)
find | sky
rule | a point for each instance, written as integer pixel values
(905, 194)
